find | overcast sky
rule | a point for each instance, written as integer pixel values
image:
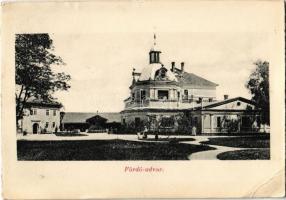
(101, 43)
(101, 64)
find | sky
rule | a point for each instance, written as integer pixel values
(101, 64)
(102, 41)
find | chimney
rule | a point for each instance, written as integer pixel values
(225, 96)
(182, 67)
(173, 67)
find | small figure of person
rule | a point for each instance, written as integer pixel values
(156, 136)
(145, 131)
(194, 130)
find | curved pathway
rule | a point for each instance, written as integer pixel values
(210, 154)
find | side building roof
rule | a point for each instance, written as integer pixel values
(213, 105)
(81, 117)
(43, 103)
(230, 100)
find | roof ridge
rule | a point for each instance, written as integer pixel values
(201, 77)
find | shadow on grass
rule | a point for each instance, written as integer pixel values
(171, 140)
(105, 150)
(249, 154)
(69, 134)
(260, 141)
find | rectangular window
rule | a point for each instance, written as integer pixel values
(167, 122)
(218, 122)
(137, 122)
(54, 112)
(186, 94)
(133, 96)
(33, 112)
(163, 94)
(195, 121)
(47, 125)
(47, 112)
(54, 124)
(246, 121)
(143, 95)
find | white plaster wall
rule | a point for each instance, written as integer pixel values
(41, 118)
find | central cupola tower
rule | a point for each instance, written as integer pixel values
(154, 54)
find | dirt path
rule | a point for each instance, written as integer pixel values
(210, 154)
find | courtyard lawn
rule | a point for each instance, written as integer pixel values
(105, 150)
(67, 134)
(249, 154)
(258, 141)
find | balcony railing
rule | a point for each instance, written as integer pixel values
(160, 103)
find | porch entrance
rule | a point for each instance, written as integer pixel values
(35, 128)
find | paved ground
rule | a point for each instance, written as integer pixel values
(204, 155)
(88, 136)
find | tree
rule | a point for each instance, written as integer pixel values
(258, 85)
(34, 76)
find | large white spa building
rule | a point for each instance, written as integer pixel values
(163, 93)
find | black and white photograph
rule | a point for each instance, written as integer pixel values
(143, 99)
(142, 96)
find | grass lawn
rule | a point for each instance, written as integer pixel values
(259, 141)
(67, 134)
(105, 150)
(249, 154)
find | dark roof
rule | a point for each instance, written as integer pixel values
(81, 117)
(44, 103)
(215, 104)
(192, 79)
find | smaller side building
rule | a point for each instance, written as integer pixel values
(231, 115)
(85, 121)
(40, 117)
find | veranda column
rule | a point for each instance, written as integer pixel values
(211, 123)
(202, 123)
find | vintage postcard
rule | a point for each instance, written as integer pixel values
(143, 99)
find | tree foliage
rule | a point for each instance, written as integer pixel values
(34, 76)
(258, 85)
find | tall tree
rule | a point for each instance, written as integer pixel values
(34, 76)
(258, 85)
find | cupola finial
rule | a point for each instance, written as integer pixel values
(154, 54)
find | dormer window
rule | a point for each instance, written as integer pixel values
(161, 74)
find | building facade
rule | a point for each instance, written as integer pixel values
(40, 117)
(161, 95)
(90, 121)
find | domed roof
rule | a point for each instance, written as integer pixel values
(149, 72)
